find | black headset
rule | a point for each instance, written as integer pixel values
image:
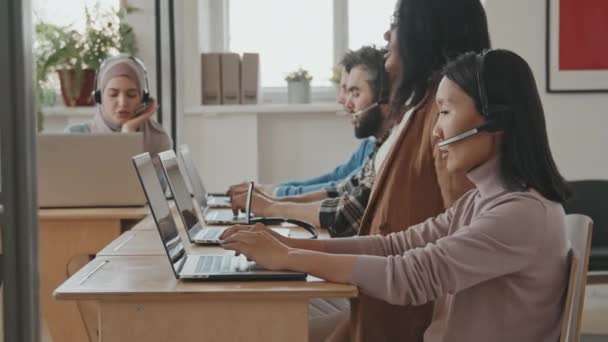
(382, 95)
(145, 92)
(270, 221)
(382, 89)
(496, 114)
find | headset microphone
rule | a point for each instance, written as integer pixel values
(494, 125)
(365, 110)
(464, 135)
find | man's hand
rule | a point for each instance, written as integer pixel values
(265, 189)
(260, 204)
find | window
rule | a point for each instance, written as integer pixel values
(290, 35)
(367, 22)
(68, 12)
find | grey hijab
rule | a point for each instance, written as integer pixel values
(155, 138)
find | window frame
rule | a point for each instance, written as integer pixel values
(219, 40)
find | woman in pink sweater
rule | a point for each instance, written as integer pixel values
(496, 262)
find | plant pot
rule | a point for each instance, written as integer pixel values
(77, 88)
(298, 91)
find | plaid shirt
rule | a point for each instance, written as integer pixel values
(341, 213)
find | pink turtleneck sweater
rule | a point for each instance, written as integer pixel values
(495, 264)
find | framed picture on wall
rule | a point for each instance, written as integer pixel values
(577, 46)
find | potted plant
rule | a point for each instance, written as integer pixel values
(75, 56)
(298, 86)
(336, 76)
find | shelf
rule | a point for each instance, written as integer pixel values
(85, 111)
(283, 108)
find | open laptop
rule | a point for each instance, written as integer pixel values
(193, 179)
(185, 205)
(185, 266)
(88, 170)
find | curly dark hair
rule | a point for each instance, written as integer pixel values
(372, 59)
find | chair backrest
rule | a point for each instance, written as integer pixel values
(589, 198)
(567, 313)
(578, 233)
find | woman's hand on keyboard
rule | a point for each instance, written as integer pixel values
(259, 245)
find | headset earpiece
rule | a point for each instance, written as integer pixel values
(97, 96)
(382, 93)
(495, 114)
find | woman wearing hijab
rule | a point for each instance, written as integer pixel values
(124, 105)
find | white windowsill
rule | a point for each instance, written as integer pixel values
(84, 111)
(213, 110)
(283, 108)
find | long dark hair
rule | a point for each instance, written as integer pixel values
(429, 33)
(526, 159)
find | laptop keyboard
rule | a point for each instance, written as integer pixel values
(214, 264)
(212, 233)
(225, 215)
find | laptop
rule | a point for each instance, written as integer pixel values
(197, 233)
(201, 267)
(195, 183)
(88, 170)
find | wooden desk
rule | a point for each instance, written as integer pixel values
(141, 300)
(146, 224)
(64, 234)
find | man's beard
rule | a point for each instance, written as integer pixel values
(369, 123)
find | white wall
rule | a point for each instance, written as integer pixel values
(266, 147)
(301, 146)
(576, 123)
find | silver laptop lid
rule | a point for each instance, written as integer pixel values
(198, 189)
(184, 203)
(249, 202)
(160, 211)
(88, 170)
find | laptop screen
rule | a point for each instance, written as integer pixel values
(68, 162)
(160, 210)
(180, 193)
(198, 189)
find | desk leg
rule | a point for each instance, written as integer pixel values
(237, 319)
(60, 240)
